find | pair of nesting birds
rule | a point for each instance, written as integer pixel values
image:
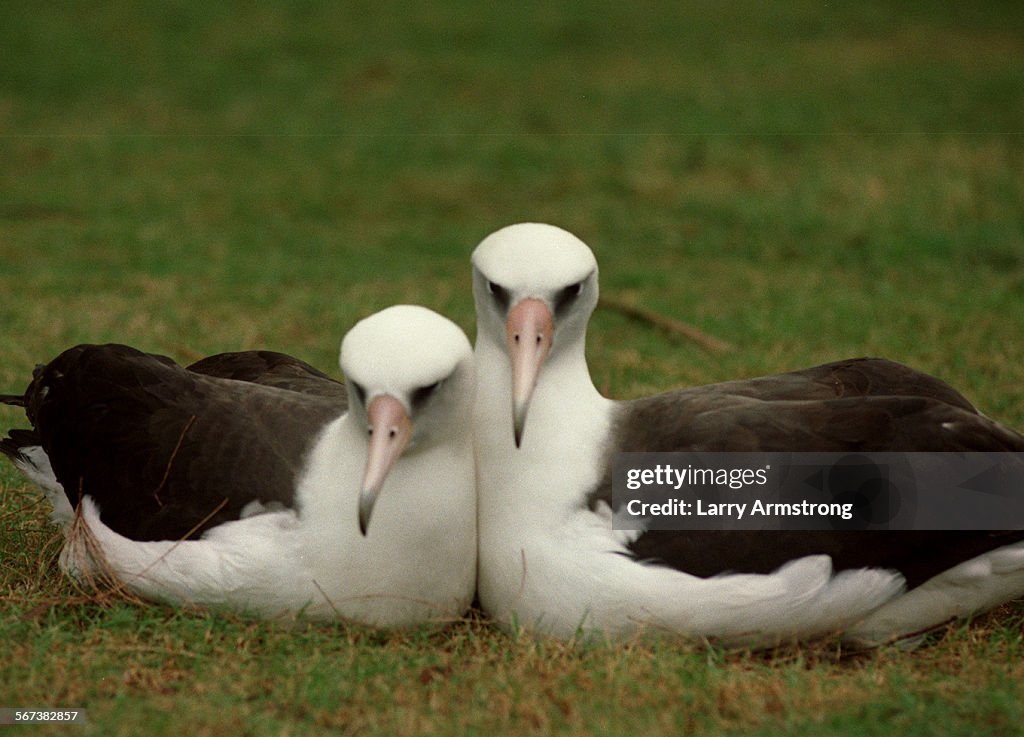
(248, 480)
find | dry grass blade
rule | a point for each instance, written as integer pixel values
(666, 324)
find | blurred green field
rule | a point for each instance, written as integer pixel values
(804, 181)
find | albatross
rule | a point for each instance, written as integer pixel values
(254, 482)
(550, 559)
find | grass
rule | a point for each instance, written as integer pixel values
(806, 182)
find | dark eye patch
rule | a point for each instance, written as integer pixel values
(360, 392)
(565, 297)
(500, 294)
(421, 395)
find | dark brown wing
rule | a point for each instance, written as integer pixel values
(858, 405)
(166, 452)
(270, 368)
(853, 377)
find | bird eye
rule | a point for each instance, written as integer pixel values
(360, 392)
(421, 395)
(500, 294)
(567, 296)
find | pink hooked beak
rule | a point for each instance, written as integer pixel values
(529, 333)
(390, 429)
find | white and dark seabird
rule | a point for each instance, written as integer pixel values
(247, 480)
(549, 558)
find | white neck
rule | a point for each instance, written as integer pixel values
(564, 436)
(426, 507)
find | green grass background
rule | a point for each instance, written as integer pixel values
(807, 181)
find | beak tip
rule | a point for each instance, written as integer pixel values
(518, 424)
(366, 502)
